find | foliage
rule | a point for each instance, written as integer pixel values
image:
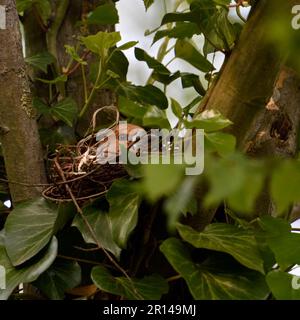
(139, 225)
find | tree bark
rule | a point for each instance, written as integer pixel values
(19, 134)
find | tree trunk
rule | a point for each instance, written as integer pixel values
(19, 134)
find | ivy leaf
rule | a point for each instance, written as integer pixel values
(156, 118)
(43, 7)
(123, 212)
(186, 51)
(148, 3)
(218, 278)
(41, 61)
(131, 109)
(104, 15)
(149, 288)
(281, 285)
(101, 42)
(236, 180)
(182, 30)
(103, 229)
(40, 106)
(147, 95)
(179, 17)
(279, 237)
(223, 143)
(160, 179)
(160, 72)
(152, 63)
(118, 64)
(285, 185)
(192, 80)
(72, 52)
(240, 244)
(66, 110)
(61, 276)
(28, 229)
(28, 273)
(176, 108)
(127, 45)
(181, 200)
(209, 121)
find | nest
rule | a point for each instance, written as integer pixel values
(75, 168)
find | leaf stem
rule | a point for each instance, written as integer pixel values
(84, 83)
(89, 99)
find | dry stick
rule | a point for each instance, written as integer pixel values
(79, 259)
(91, 230)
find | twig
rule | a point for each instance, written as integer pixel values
(174, 278)
(87, 250)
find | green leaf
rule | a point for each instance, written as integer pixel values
(43, 7)
(127, 45)
(223, 143)
(61, 276)
(160, 72)
(186, 51)
(239, 243)
(209, 121)
(148, 3)
(101, 42)
(28, 229)
(152, 63)
(123, 212)
(28, 273)
(281, 285)
(40, 106)
(192, 80)
(72, 52)
(131, 109)
(23, 5)
(218, 278)
(225, 29)
(104, 15)
(66, 110)
(176, 108)
(66, 212)
(180, 201)
(118, 64)
(285, 184)
(237, 180)
(279, 237)
(182, 30)
(156, 118)
(179, 17)
(41, 61)
(160, 179)
(147, 95)
(149, 288)
(103, 229)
